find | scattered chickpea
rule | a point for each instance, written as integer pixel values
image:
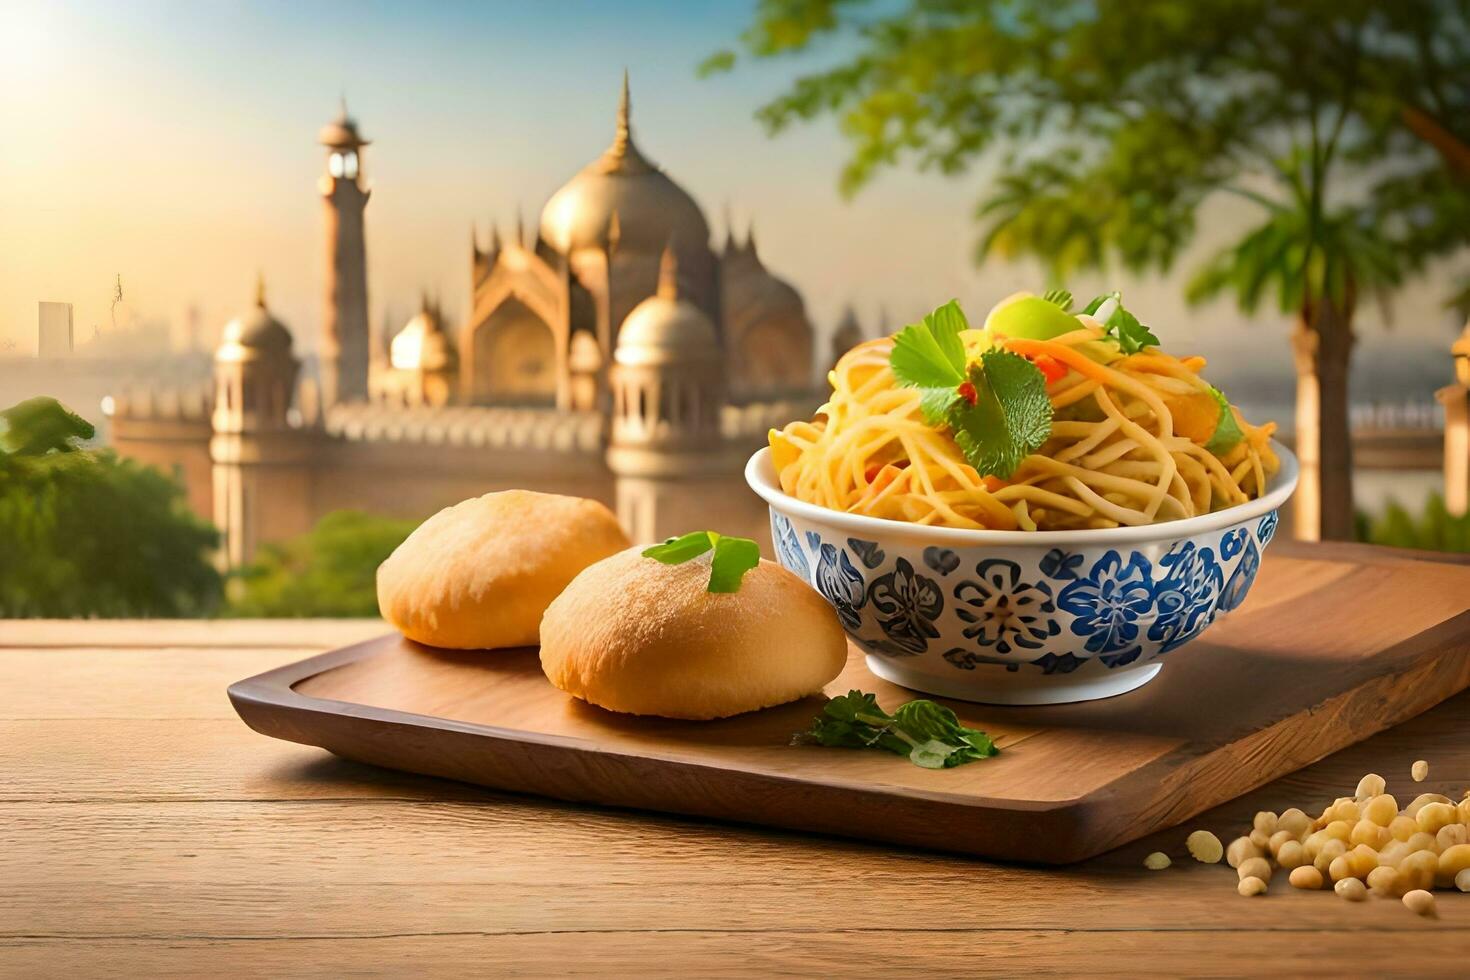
(1453, 862)
(1351, 889)
(1251, 886)
(1369, 833)
(1339, 869)
(1383, 880)
(1292, 855)
(1339, 830)
(1393, 852)
(1462, 880)
(1433, 816)
(1452, 835)
(1420, 771)
(1370, 786)
(1331, 851)
(1277, 840)
(1419, 901)
(1381, 810)
(1402, 827)
(1204, 847)
(1422, 800)
(1256, 867)
(1346, 811)
(1305, 877)
(1157, 861)
(1422, 841)
(1239, 850)
(1265, 822)
(1295, 821)
(1418, 870)
(1260, 839)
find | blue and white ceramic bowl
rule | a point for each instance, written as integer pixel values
(1018, 617)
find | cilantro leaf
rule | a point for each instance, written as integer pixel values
(676, 551)
(1121, 325)
(928, 733)
(1011, 417)
(1059, 297)
(733, 557)
(1227, 431)
(1132, 336)
(930, 354)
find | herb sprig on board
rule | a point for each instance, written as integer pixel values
(928, 733)
(732, 558)
(997, 406)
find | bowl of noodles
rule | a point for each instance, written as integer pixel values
(1037, 511)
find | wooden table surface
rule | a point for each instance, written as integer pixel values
(144, 830)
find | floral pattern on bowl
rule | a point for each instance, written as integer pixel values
(1064, 618)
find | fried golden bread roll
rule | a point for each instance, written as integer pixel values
(633, 634)
(480, 574)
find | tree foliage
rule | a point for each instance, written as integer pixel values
(83, 533)
(329, 571)
(1345, 122)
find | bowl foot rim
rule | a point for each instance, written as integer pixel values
(1052, 689)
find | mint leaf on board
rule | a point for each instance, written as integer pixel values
(733, 557)
(1227, 433)
(928, 733)
(1010, 417)
(1059, 297)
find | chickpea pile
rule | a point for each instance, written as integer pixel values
(1360, 845)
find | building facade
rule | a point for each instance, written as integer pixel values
(615, 354)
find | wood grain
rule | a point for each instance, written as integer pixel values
(1310, 664)
(185, 845)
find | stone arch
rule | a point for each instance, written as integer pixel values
(514, 357)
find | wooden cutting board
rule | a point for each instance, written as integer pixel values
(1334, 644)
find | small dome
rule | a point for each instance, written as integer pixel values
(257, 330)
(622, 195)
(422, 344)
(665, 327)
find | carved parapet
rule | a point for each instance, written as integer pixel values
(536, 430)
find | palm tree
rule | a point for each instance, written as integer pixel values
(1317, 264)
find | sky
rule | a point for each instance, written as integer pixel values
(174, 144)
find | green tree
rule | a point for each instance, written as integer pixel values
(329, 571)
(83, 533)
(1345, 123)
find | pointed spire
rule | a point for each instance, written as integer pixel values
(614, 232)
(729, 229)
(520, 227)
(625, 111)
(668, 273)
(342, 101)
(494, 237)
(474, 241)
(750, 239)
(260, 289)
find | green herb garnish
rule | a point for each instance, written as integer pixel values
(1121, 325)
(997, 407)
(1227, 431)
(928, 733)
(732, 558)
(1059, 297)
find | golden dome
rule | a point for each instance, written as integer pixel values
(666, 328)
(622, 191)
(584, 356)
(256, 330)
(422, 344)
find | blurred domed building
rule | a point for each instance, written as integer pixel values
(614, 354)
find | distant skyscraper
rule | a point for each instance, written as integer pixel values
(55, 337)
(345, 341)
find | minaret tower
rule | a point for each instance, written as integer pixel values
(262, 484)
(345, 341)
